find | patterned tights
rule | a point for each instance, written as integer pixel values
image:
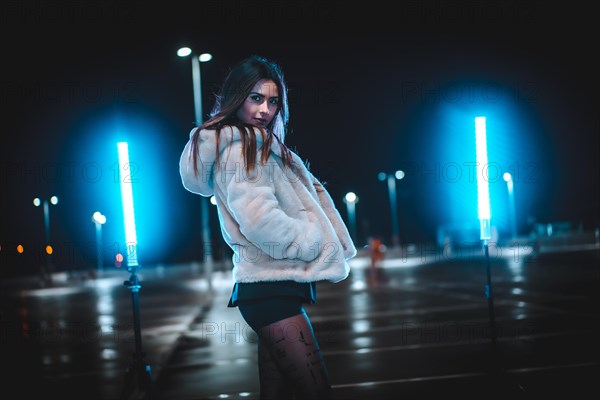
(290, 362)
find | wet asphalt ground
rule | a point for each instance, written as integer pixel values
(419, 327)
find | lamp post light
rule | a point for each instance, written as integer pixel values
(351, 199)
(48, 246)
(484, 213)
(391, 184)
(196, 79)
(511, 204)
(197, 86)
(99, 219)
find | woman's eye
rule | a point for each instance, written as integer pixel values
(255, 97)
(274, 101)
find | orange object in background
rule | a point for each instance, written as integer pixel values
(376, 251)
(377, 254)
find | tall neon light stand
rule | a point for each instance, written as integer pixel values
(484, 213)
(139, 380)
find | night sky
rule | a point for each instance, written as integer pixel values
(371, 89)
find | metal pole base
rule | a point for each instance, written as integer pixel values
(139, 383)
(489, 294)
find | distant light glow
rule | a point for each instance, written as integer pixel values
(483, 194)
(109, 354)
(20, 249)
(361, 326)
(363, 341)
(54, 200)
(213, 201)
(184, 52)
(49, 250)
(98, 217)
(381, 176)
(204, 57)
(127, 199)
(37, 202)
(351, 197)
(507, 177)
(358, 285)
(399, 174)
(118, 260)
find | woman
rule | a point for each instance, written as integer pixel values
(279, 220)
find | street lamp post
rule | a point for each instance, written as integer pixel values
(139, 378)
(196, 79)
(351, 199)
(48, 246)
(391, 184)
(98, 219)
(511, 204)
(204, 207)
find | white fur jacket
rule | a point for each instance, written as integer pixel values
(281, 223)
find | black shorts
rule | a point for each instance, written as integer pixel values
(261, 312)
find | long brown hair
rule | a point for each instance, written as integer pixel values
(234, 91)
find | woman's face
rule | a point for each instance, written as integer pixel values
(261, 105)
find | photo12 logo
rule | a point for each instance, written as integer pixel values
(467, 171)
(66, 172)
